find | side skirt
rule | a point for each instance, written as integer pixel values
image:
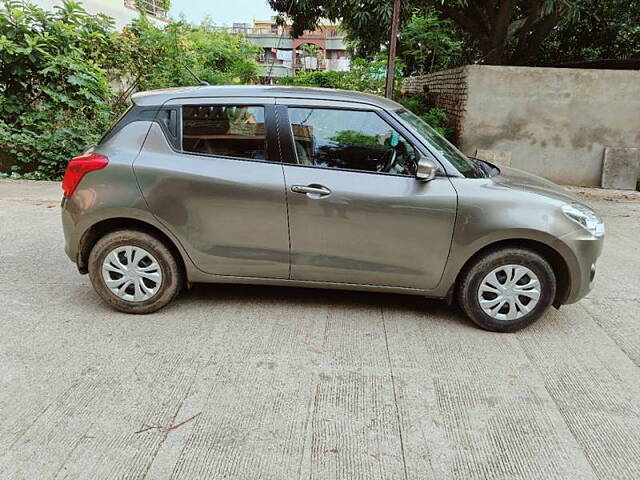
(204, 278)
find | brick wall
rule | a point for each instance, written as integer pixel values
(446, 90)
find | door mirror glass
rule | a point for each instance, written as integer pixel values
(426, 170)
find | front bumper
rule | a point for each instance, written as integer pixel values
(581, 251)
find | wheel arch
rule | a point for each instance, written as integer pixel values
(553, 256)
(99, 229)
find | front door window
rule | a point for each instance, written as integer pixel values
(350, 140)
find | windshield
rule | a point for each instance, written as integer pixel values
(448, 151)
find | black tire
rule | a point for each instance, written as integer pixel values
(172, 276)
(473, 275)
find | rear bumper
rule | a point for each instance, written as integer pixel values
(68, 228)
(582, 253)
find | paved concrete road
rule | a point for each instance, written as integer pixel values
(253, 382)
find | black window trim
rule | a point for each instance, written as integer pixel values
(291, 151)
(272, 150)
(175, 141)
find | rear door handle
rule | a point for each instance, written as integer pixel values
(312, 190)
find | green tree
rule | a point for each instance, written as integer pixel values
(54, 87)
(607, 29)
(160, 58)
(57, 71)
(369, 76)
(501, 31)
(364, 76)
(427, 43)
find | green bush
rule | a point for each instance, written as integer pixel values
(158, 58)
(436, 117)
(54, 90)
(364, 76)
(370, 77)
(57, 70)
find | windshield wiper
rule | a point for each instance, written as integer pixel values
(488, 169)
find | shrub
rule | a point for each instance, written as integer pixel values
(436, 117)
(158, 58)
(364, 76)
(370, 77)
(57, 70)
(54, 90)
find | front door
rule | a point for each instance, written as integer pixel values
(222, 190)
(356, 212)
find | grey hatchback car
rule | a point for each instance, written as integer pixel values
(317, 188)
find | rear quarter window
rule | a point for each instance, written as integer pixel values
(225, 130)
(166, 117)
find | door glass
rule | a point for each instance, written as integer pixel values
(352, 140)
(225, 130)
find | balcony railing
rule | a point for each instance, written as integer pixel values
(309, 63)
(152, 7)
(317, 35)
(246, 30)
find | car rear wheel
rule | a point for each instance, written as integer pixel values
(508, 289)
(134, 272)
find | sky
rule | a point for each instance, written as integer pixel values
(223, 12)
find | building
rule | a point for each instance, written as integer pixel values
(122, 11)
(322, 49)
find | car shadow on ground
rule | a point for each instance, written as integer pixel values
(432, 309)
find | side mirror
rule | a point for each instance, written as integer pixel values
(426, 170)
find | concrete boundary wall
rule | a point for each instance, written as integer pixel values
(555, 122)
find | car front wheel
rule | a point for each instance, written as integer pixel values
(507, 289)
(134, 272)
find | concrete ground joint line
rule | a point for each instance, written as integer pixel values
(308, 433)
(559, 410)
(613, 340)
(166, 432)
(395, 396)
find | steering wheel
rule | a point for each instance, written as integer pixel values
(390, 162)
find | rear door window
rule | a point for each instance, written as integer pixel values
(236, 131)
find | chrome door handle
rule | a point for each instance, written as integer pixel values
(313, 189)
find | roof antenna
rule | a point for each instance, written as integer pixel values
(201, 82)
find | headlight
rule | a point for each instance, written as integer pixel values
(586, 217)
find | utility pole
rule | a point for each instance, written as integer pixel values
(395, 18)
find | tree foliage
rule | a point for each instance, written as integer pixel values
(607, 29)
(495, 31)
(54, 88)
(59, 69)
(369, 77)
(428, 43)
(364, 76)
(159, 58)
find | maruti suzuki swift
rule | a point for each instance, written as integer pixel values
(317, 188)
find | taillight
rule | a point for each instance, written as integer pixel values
(78, 167)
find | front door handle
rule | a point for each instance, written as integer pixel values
(312, 190)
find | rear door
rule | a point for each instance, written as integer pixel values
(220, 187)
(357, 214)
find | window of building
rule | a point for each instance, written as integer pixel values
(351, 140)
(224, 130)
(152, 7)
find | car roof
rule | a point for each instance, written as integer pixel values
(159, 97)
